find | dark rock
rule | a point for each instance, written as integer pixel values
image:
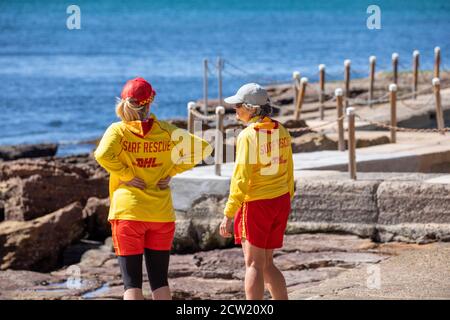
(73, 253)
(364, 143)
(180, 123)
(185, 238)
(38, 244)
(197, 229)
(96, 257)
(182, 265)
(33, 188)
(2, 210)
(96, 215)
(28, 151)
(292, 124)
(225, 264)
(84, 166)
(310, 142)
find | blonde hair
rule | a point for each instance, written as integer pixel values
(128, 110)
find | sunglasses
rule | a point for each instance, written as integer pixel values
(238, 105)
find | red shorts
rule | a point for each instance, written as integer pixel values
(131, 237)
(263, 222)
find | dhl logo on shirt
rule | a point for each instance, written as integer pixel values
(147, 163)
(146, 147)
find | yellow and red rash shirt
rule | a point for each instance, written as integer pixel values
(264, 167)
(150, 150)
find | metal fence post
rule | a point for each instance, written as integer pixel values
(437, 96)
(191, 118)
(416, 55)
(205, 86)
(351, 143)
(393, 102)
(301, 97)
(295, 85)
(347, 65)
(219, 76)
(322, 90)
(437, 61)
(395, 68)
(372, 61)
(340, 122)
(218, 152)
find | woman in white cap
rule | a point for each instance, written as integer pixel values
(261, 190)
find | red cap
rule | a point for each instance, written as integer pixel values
(140, 90)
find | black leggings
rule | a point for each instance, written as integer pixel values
(157, 263)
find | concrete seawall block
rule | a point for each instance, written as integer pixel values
(199, 205)
(413, 202)
(381, 206)
(187, 191)
(337, 201)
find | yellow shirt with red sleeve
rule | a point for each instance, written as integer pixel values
(150, 150)
(264, 167)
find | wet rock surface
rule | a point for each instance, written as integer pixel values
(95, 214)
(306, 261)
(37, 244)
(27, 151)
(46, 205)
(33, 188)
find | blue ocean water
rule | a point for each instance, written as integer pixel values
(59, 85)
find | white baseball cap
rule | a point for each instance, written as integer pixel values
(250, 93)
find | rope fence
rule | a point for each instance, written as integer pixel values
(203, 117)
(342, 97)
(401, 129)
(232, 69)
(393, 127)
(318, 126)
(219, 140)
(357, 101)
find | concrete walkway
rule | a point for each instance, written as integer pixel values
(413, 152)
(414, 272)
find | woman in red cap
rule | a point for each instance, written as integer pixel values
(141, 155)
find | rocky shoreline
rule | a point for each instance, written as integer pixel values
(47, 204)
(28, 151)
(306, 260)
(316, 266)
